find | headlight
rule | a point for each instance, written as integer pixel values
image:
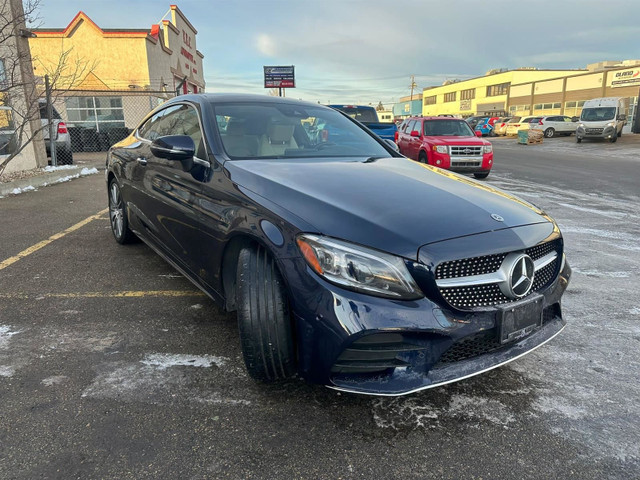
(358, 268)
(581, 125)
(488, 148)
(611, 124)
(440, 148)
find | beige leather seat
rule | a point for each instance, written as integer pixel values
(279, 137)
(236, 142)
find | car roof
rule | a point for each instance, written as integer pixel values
(239, 98)
(435, 118)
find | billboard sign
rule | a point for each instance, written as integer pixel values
(626, 78)
(279, 77)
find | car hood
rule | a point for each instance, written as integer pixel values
(392, 204)
(441, 140)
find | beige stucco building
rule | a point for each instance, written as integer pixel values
(157, 58)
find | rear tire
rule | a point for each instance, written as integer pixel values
(549, 132)
(482, 175)
(118, 215)
(264, 319)
(65, 157)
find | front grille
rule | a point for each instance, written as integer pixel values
(462, 150)
(487, 295)
(594, 131)
(471, 346)
(476, 163)
(486, 342)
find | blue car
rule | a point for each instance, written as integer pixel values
(485, 126)
(320, 245)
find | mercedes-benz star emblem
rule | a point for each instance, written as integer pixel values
(521, 278)
(497, 217)
(518, 273)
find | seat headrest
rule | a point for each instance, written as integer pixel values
(280, 132)
(235, 127)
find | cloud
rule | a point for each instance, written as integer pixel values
(266, 45)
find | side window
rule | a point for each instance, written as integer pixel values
(411, 126)
(175, 120)
(153, 128)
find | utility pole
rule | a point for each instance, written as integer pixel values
(412, 86)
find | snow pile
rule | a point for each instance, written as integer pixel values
(18, 191)
(51, 168)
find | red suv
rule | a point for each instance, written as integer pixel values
(446, 143)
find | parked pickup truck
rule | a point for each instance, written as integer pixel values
(445, 143)
(369, 118)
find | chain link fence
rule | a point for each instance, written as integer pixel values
(92, 121)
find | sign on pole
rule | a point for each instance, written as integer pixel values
(279, 77)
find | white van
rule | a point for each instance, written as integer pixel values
(602, 118)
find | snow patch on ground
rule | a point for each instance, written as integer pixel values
(51, 168)
(55, 380)
(5, 335)
(635, 311)
(18, 191)
(7, 371)
(420, 412)
(151, 381)
(163, 361)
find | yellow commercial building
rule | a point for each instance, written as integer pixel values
(528, 91)
(486, 95)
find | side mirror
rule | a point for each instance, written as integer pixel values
(415, 133)
(391, 144)
(574, 119)
(622, 116)
(478, 133)
(174, 147)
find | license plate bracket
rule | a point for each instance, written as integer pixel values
(518, 321)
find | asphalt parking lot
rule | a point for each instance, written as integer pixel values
(112, 365)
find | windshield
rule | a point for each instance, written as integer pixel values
(361, 114)
(284, 130)
(455, 128)
(598, 114)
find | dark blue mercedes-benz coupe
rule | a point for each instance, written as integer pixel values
(346, 263)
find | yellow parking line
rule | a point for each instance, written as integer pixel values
(123, 294)
(44, 243)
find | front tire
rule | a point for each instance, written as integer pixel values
(264, 319)
(482, 175)
(118, 215)
(614, 138)
(422, 158)
(578, 139)
(549, 132)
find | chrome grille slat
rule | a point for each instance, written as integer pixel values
(466, 150)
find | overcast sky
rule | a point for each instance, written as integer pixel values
(362, 51)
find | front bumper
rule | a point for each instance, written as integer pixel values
(462, 164)
(588, 132)
(431, 343)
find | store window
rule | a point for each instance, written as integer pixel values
(450, 97)
(99, 113)
(499, 89)
(430, 100)
(469, 94)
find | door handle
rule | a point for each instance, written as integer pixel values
(141, 160)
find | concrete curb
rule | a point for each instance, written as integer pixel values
(45, 179)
